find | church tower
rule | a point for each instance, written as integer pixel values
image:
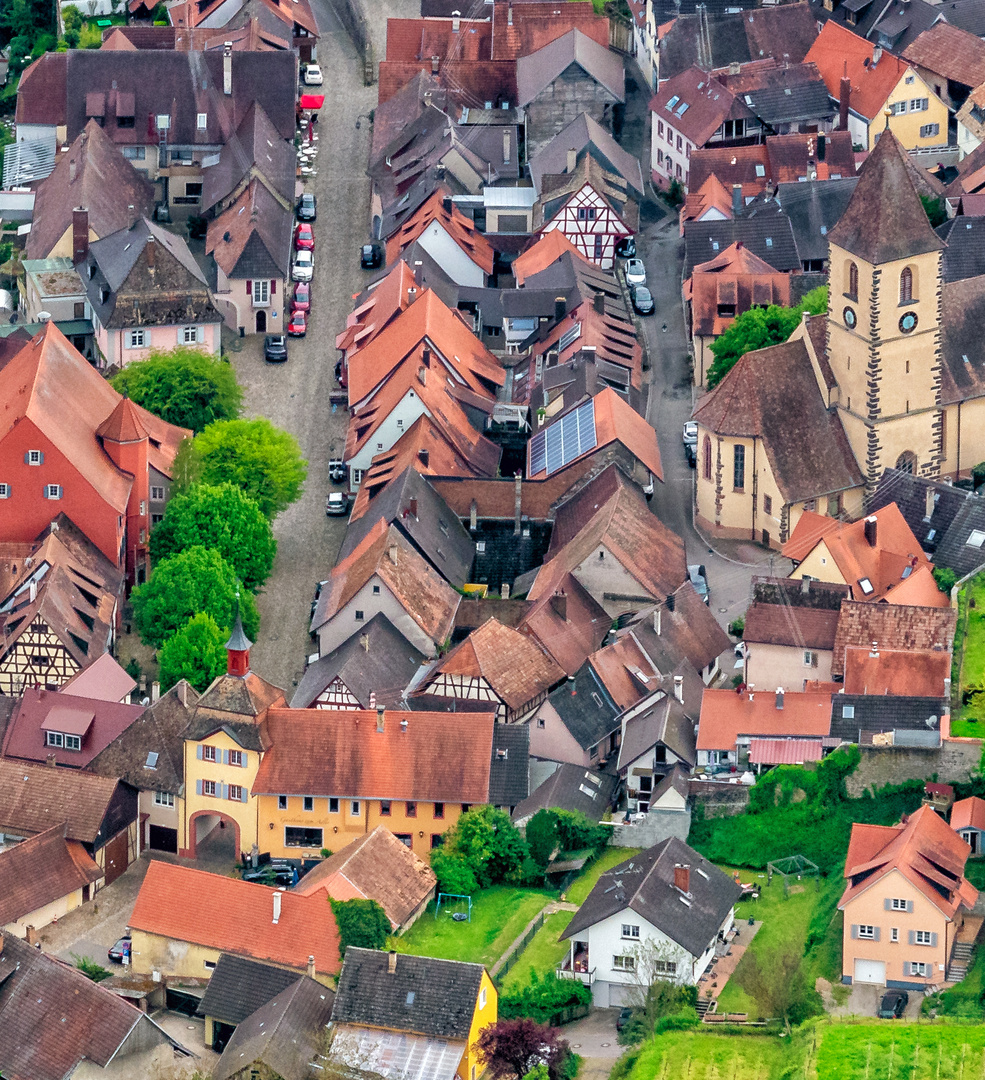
(884, 318)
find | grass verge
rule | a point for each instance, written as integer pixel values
(543, 953)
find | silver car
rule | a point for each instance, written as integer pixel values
(304, 266)
(635, 272)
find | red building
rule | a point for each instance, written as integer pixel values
(69, 443)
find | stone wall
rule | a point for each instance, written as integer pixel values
(719, 798)
(658, 825)
(952, 762)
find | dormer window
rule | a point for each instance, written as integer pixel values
(62, 741)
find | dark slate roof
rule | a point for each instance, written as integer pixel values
(910, 495)
(814, 208)
(577, 703)
(954, 551)
(583, 132)
(964, 256)
(422, 995)
(885, 220)
(286, 1034)
(664, 722)
(645, 884)
(786, 95)
(509, 772)
(433, 529)
(965, 14)
(881, 712)
(962, 343)
(676, 779)
(239, 987)
(763, 227)
(384, 668)
(565, 789)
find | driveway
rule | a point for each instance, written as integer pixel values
(594, 1038)
(863, 1000)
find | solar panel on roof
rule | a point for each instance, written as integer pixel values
(565, 440)
(538, 453)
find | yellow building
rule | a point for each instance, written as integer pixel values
(436, 1009)
(224, 745)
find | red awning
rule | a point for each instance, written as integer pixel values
(784, 751)
(312, 101)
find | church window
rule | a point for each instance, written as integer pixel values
(706, 458)
(907, 461)
(906, 286)
(853, 280)
(739, 468)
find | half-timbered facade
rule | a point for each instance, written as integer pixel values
(594, 209)
(58, 608)
(494, 667)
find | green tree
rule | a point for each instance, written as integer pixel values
(759, 327)
(195, 580)
(779, 987)
(541, 837)
(223, 517)
(491, 844)
(185, 386)
(935, 210)
(196, 653)
(254, 455)
(362, 924)
(72, 17)
(945, 577)
(454, 874)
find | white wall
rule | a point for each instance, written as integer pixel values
(966, 141)
(450, 257)
(404, 413)
(344, 624)
(553, 741)
(605, 578)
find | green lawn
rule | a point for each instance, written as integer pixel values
(499, 916)
(969, 660)
(583, 885)
(543, 952)
(702, 1055)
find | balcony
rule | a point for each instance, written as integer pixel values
(575, 964)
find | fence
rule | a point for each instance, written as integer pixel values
(506, 962)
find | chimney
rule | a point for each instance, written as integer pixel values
(559, 602)
(155, 691)
(426, 356)
(779, 697)
(150, 253)
(598, 303)
(380, 715)
(227, 67)
(560, 308)
(424, 456)
(364, 641)
(671, 601)
(734, 68)
(874, 651)
(507, 146)
(805, 585)
(411, 295)
(413, 508)
(509, 15)
(182, 688)
(311, 967)
(403, 725)
(876, 56)
(71, 171)
(447, 204)
(679, 688)
(572, 161)
(372, 701)
(871, 524)
(391, 962)
(473, 516)
(435, 62)
(822, 144)
(456, 21)
(80, 234)
(844, 102)
(517, 503)
(51, 760)
(736, 199)
(391, 553)
(277, 901)
(504, 591)
(682, 878)
(657, 620)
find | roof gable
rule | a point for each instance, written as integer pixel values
(534, 73)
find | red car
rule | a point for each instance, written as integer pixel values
(304, 237)
(298, 324)
(301, 300)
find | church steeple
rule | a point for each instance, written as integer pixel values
(238, 648)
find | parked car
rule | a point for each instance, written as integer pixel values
(271, 873)
(642, 300)
(307, 207)
(304, 237)
(337, 504)
(635, 272)
(371, 256)
(304, 266)
(336, 470)
(313, 75)
(626, 247)
(691, 454)
(275, 348)
(893, 1004)
(699, 579)
(297, 325)
(690, 432)
(301, 300)
(120, 950)
(625, 1015)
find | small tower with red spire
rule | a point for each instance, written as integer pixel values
(238, 648)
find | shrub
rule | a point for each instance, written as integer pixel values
(454, 873)
(362, 924)
(543, 997)
(945, 577)
(541, 835)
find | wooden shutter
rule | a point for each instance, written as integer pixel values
(225, 757)
(242, 759)
(912, 937)
(198, 783)
(909, 905)
(876, 932)
(933, 940)
(249, 289)
(273, 286)
(854, 931)
(245, 796)
(888, 903)
(223, 791)
(199, 754)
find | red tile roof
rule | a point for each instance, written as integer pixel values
(923, 849)
(523, 28)
(949, 51)
(572, 637)
(545, 250)
(184, 904)
(436, 757)
(909, 673)
(41, 870)
(460, 228)
(468, 82)
(103, 679)
(968, 814)
(735, 278)
(381, 303)
(447, 39)
(784, 751)
(891, 626)
(696, 105)
(712, 195)
(783, 624)
(727, 714)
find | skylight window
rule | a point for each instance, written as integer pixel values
(682, 108)
(866, 586)
(848, 712)
(975, 538)
(673, 101)
(151, 762)
(769, 241)
(760, 170)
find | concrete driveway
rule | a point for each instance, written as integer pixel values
(594, 1038)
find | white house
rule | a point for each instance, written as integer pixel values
(657, 915)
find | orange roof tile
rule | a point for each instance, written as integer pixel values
(968, 814)
(949, 51)
(429, 600)
(727, 714)
(184, 904)
(42, 869)
(737, 278)
(572, 637)
(454, 223)
(408, 40)
(542, 253)
(123, 424)
(620, 665)
(436, 757)
(838, 52)
(909, 673)
(891, 626)
(887, 562)
(711, 195)
(384, 300)
(919, 590)
(522, 29)
(923, 849)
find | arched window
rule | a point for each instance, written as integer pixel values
(907, 462)
(853, 281)
(706, 458)
(906, 286)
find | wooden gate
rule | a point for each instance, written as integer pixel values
(116, 857)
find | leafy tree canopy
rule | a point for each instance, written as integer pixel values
(453, 872)
(935, 210)
(223, 517)
(361, 923)
(197, 653)
(196, 580)
(759, 327)
(541, 837)
(492, 846)
(263, 460)
(511, 1049)
(185, 386)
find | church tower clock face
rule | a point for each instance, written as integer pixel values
(849, 316)
(908, 322)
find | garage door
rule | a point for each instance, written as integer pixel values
(116, 857)
(870, 971)
(162, 839)
(619, 995)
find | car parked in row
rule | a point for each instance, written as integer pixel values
(272, 873)
(313, 75)
(635, 272)
(297, 325)
(642, 300)
(337, 504)
(626, 247)
(371, 256)
(304, 266)
(304, 237)
(275, 348)
(307, 207)
(699, 579)
(301, 297)
(893, 1005)
(120, 951)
